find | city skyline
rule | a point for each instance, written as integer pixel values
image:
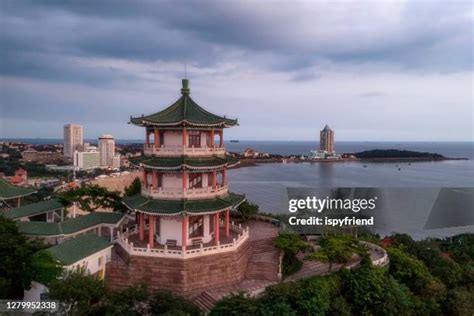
(395, 71)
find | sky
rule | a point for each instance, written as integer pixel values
(371, 70)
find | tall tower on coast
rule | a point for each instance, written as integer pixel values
(326, 139)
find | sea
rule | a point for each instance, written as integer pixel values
(266, 184)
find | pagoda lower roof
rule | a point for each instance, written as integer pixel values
(34, 209)
(187, 163)
(151, 206)
(10, 191)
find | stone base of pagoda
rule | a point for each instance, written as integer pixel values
(185, 277)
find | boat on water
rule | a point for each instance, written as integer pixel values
(234, 141)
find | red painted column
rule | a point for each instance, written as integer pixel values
(141, 225)
(227, 222)
(157, 137)
(221, 138)
(184, 231)
(216, 230)
(212, 137)
(154, 180)
(224, 177)
(185, 181)
(147, 136)
(145, 178)
(151, 231)
(214, 179)
(184, 136)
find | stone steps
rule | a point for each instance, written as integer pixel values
(204, 301)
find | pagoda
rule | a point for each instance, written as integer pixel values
(183, 232)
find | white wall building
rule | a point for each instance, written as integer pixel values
(73, 139)
(107, 150)
(87, 160)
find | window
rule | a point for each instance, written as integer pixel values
(196, 226)
(99, 261)
(195, 180)
(194, 138)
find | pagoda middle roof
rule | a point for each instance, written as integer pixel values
(184, 112)
(179, 163)
(152, 206)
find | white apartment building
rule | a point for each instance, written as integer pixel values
(87, 160)
(106, 150)
(73, 139)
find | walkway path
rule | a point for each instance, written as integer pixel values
(262, 268)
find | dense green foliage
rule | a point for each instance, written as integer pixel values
(20, 263)
(291, 244)
(246, 210)
(91, 197)
(395, 153)
(134, 188)
(429, 277)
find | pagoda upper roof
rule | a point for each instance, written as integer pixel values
(184, 112)
(9, 191)
(179, 163)
(148, 205)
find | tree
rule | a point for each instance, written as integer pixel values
(92, 197)
(246, 210)
(19, 264)
(132, 300)
(134, 188)
(78, 291)
(291, 244)
(166, 303)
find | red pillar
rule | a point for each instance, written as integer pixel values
(184, 180)
(216, 230)
(214, 179)
(212, 137)
(184, 136)
(221, 138)
(227, 222)
(145, 178)
(184, 231)
(224, 177)
(157, 137)
(154, 180)
(147, 137)
(151, 231)
(141, 225)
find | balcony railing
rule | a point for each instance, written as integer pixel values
(163, 251)
(176, 150)
(179, 193)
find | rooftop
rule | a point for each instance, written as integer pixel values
(175, 207)
(34, 209)
(70, 226)
(9, 191)
(184, 112)
(74, 250)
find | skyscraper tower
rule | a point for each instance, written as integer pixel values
(73, 139)
(326, 140)
(106, 150)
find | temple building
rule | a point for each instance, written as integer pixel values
(184, 239)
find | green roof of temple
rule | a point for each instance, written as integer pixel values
(9, 191)
(74, 250)
(69, 226)
(177, 207)
(184, 112)
(34, 209)
(178, 163)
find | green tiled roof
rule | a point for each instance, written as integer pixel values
(74, 250)
(34, 209)
(184, 112)
(69, 226)
(177, 207)
(9, 191)
(177, 163)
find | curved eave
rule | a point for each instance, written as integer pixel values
(141, 207)
(143, 122)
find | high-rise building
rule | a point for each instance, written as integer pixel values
(73, 139)
(107, 150)
(326, 139)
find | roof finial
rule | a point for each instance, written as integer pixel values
(185, 89)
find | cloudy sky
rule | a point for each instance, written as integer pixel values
(371, 70)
